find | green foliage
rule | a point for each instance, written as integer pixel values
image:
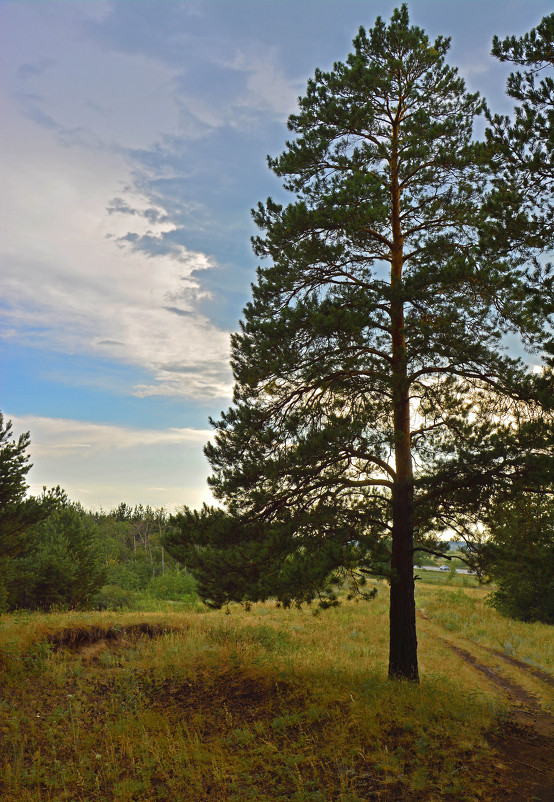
(237, 559)
(522, 148)
(14, 465)
(527, 141)
(54, 554)
(138, 568)
(17, 513)
(520, 558)
(114, 597)
(63, 565)
(139, 572)
(172, 586)
(132, 572)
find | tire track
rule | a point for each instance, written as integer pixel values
(524, 739)
(514, 661)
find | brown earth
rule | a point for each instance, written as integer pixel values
(80, 636)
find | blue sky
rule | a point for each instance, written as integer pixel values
(134, 135)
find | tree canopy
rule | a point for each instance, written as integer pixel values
(62, 565)
(518, 555)
(523, 145)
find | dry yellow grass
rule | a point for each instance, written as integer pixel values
(464, 612)
(269, 704)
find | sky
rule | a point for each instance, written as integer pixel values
(134, 136)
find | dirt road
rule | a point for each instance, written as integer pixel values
(524, 739)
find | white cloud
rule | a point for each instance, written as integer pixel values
(51, 437)
(71, 282)
(245, 90)
(268, 89)
(103, 464)
(72, 277)
(82, 273)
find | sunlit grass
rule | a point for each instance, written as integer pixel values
(463, 611)
(268, 704)
(446, 578)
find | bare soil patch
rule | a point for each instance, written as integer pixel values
(79, 637)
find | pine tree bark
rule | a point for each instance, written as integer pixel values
(403, 639)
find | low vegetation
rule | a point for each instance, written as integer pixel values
(266, 704)
(468, 612)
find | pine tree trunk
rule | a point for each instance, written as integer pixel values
(403, 640)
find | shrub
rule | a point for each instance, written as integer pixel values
(113, 597)
(172, 586)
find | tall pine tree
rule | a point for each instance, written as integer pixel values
(522, 146)
(370, 377)
(17, 512)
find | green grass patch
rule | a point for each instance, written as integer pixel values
(446, 578)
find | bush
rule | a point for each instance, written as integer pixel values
(520, 560)
(131, 574)
(172, 586)
(113, 597)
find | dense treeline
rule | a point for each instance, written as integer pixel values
(137, 564)
(76, 559)
(54, 554)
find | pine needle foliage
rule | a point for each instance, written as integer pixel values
(17, 512)
(527, 142)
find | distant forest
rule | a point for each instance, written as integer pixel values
(77, 559)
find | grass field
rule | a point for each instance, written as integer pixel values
(269, 704)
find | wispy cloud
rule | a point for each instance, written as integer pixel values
(104, 202)
(218, 80)
(35, 68)
(267, 86)
(101, 464)
(52, 436)
(81, 280)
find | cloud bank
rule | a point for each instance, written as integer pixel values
(75, 278)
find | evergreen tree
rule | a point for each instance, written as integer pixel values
(524, 145)
(17, 513)
(63, 565)
(519, 557)
(530, 136)
(371, 383)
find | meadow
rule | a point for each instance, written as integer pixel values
(265, 704)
